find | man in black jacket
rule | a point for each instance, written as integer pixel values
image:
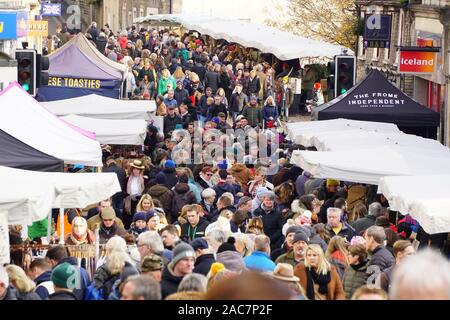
(180, 93)
(380, 256)
(195, 226)
(336, 227)
(271, 219)
(204, 258)
(171, 120)
(117, 198)
(41, 273)
(181, 264)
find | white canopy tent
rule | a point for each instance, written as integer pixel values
(28, 196)
(303, 132)
(125, 132)
(26, 120)
(368, 165)
(425, 197)
(353, 140)
(100, 107)
(284, 45)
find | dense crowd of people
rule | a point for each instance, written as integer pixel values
(180, 229)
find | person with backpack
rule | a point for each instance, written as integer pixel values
(40, 272)
(181, 196)
(57, 256)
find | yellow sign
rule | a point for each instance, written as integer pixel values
(37, 28)
(73, 83)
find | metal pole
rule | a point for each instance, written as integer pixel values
(445, 20)
(61, 225)
(97, 243)
(49, 226)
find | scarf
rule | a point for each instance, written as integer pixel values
(108, 231)
(314, 278)
(358, 266)
(86, 238)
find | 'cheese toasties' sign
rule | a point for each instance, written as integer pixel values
(74, 83)
(376, 100)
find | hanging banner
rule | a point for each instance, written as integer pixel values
(417, 62)
(51, 9)
(37, 28)
(4, 238)
(377, 31)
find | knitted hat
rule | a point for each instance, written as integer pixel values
(232, 260)
(62, 275)
(216, 267)
(243, 201)
(332, 183)
(199, 243)
(293, 229)
(300, 236)
(304, 218)
(181, 251)
(160, 178)
(108, 213)
(152, 262)
(223, 165)
(215, 120)
(169, 164)
(150, 214)
(227, 246)
(140, 216)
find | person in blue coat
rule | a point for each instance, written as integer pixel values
(259, 260)
(270, 111)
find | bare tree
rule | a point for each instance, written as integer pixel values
(329, 20)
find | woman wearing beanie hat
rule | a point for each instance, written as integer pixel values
(216, 273)
(139, 224)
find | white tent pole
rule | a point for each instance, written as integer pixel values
(61, 225)
(49, 226)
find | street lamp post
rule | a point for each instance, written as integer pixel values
(445, 20)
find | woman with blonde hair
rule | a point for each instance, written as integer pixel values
(221, 93)
(145, 203)
(164, 80)
(24, 285)
(161, 109)
(108, 276)
(318, 277)
(178, 75)
(255, 226)
(337, 255)
(259, 181)
(244, 243)
(359, 211)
